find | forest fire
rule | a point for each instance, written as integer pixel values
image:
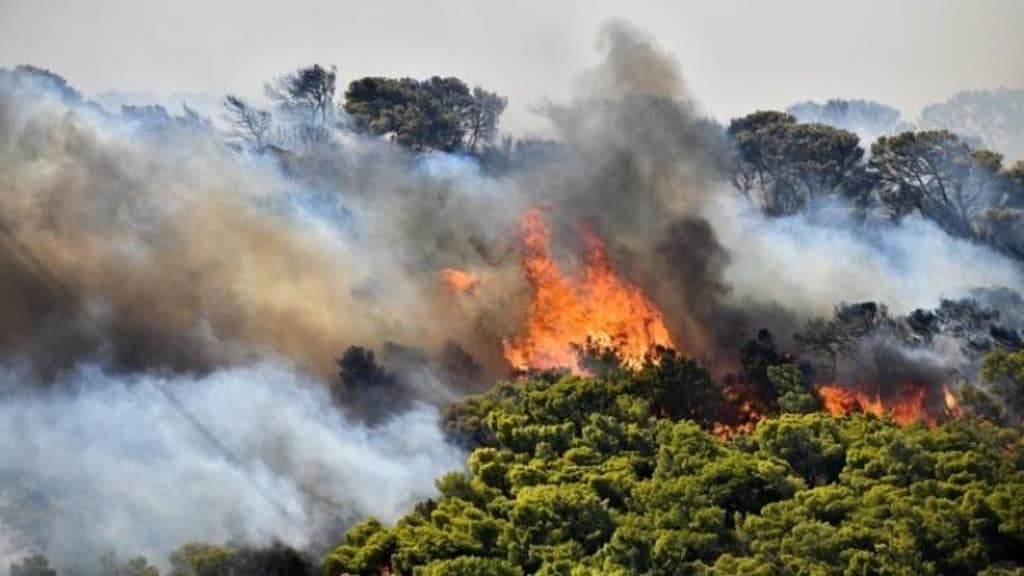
(595, 309)
(909, 405)
(460, 281)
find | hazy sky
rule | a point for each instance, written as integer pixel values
(736, 55)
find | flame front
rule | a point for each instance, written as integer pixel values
(906, 407)
(597, 308)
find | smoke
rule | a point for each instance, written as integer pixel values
(161, 248)
(633, 65)
(640, 163)
(136, 250)
(120, 462)
(812, 261)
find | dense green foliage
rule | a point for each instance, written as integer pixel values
(438, 113)
(619, 474)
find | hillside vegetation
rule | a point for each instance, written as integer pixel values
(618, 474)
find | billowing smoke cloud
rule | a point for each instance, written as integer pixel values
(633, 65)
(145, 463)
(162, 248)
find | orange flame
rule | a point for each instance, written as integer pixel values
(460, 281)
(949, 400)
(566, 314)
(906, 407)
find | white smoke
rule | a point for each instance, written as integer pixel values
(145, 463)
(812, 261)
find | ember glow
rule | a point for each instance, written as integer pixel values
(460, 281)
(595, 308)
(908, 406)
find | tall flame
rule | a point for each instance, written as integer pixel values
(596, 308)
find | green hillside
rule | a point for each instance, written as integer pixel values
(612, 475)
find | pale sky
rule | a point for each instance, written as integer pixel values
(737, 55)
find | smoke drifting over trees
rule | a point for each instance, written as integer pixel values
(237, 329)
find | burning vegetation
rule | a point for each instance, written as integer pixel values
(592, 311)
(908, 405)
(584, 320)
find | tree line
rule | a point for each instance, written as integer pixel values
(784, 162)
(439, 113)
(784, 166)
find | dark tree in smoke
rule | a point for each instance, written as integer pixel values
(200, 559)
(864, 342)
(360, 371)
(136, 566)
(837, 337)
(481, 121)
(937, 174)
(308, 92)
(867, 119)
(1002, 225)
(433, 114)
(34, 565)
(756, 356)
(784, 165)
(459, 367)
(1015, 197)
(1003, 372)
(993, 117)
(250, 126)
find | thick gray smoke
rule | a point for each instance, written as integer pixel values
(160, 247)
(133, 249)
(145, 463)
